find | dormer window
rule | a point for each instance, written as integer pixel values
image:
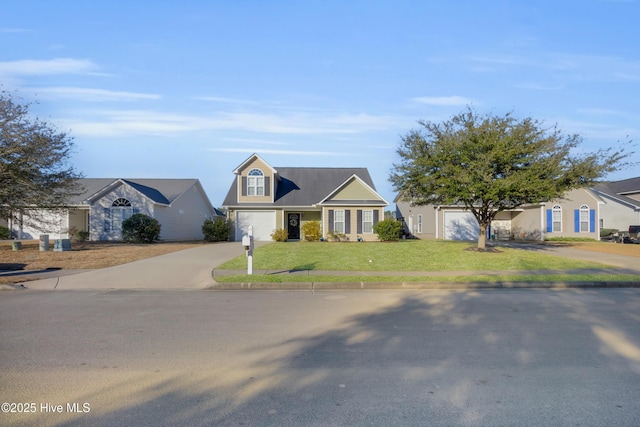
(255, 183)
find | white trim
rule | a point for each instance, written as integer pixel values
(341, 186)
(335, 211)
(236, 171)
(553, 221)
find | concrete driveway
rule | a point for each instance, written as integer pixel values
(187, 269)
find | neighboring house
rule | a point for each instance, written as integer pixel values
(621, 203)
(179, 205)
(580, 213)
(343, 200)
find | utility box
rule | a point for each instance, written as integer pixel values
(62, 245)
(44, 242)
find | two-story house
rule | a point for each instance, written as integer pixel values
(343, 200)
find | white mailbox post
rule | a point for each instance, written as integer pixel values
(247, 242)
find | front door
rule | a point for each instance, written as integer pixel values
(293, 226)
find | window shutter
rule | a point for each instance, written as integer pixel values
(376, 216)
(359, 219)
(592, 220)
(331, 220)
(347, 221)
(267, 186)
(107, 220)
(576, 220)
(244, 185)
(549, 220)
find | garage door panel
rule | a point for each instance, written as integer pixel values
(263, 224)
(460, 226)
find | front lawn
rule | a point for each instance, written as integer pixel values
(409, 255)
(421, 260)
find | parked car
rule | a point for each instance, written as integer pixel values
(634, 235)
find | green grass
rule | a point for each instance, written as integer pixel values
(410, 255)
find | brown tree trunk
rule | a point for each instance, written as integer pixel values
(482, 237)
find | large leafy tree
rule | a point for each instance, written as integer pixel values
(489, 164)
(34, 161)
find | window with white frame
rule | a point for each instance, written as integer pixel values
(367, 222)
(338, 221)
(255, 183)
(584, 219)
(420, 223)
(121, 209)
(557, 219)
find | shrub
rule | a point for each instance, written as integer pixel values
(216, 230)
(82, 235)
(77, 235)
(311, 231)
(140, 228)
(280, 235)
(337, 237)
(607, 232)
(5, 233)
(388, 229)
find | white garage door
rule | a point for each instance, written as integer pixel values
(460, 226)
(264, 223)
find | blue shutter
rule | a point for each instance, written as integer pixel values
(592, 220)
(576, 220)
(376, 216)
(267, 186)
(244, 185)
(549, 220)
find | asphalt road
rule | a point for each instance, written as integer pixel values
(333, 358)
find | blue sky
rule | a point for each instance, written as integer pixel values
(190, 89)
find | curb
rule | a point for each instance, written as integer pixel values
(313, 286)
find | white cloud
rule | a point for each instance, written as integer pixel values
(92, 95)
(44, 67)
(225, 100)
(281, 152)
(125, 122)
(14, 30)
(573, 66)
(592, 131)
(255, 141)
(444, 101)
(539, 86)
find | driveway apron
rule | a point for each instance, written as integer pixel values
(186, 269)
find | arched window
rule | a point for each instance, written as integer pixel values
(584, 219)
(120, 210)
(557, 219)
(121, 202)
(255, 183)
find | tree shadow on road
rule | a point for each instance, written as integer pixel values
(430, 358)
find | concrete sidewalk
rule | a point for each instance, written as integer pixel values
(186, 269)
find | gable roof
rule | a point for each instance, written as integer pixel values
(618, 190)
(250, 159)
(306, 186)
(160, 191)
